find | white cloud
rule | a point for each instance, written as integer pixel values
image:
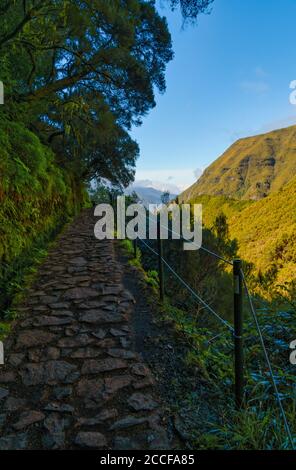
(159, 185)
(177, 178)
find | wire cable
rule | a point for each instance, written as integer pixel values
(195, 244)
(225, 323)
(193, 293)
(254, 314)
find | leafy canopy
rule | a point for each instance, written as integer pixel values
(84, 72)
(80, 73)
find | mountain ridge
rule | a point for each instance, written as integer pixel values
(148, 195)
(251, 168)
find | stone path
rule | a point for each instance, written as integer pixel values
(71, 378)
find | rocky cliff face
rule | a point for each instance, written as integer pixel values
(251, 168)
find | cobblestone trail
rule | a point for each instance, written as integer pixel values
(71, 378)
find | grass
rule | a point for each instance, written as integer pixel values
(208, 360)
(259, 425)
(150, 276)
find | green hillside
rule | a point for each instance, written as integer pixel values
(251, 168)
(265, 229)
(266, 232)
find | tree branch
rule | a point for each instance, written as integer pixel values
(53, 87)
(27, 18)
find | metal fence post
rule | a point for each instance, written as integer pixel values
(238, 333)
(160, 262)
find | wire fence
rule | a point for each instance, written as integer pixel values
(237, 329)
(260, 334)
(190, 290)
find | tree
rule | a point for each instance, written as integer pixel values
(89, 78)
(80, 73)
(190, 9)
(220, 227)
(165, 197)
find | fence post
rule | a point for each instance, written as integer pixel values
(238, 332)
(160, 262)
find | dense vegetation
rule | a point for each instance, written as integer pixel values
(36, 198)
(206, 362)
(77, 75)
(248, 197)
(82, 85)
(253, 186)
(264, 232)
(208, 356)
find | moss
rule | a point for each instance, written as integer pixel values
(37, 198)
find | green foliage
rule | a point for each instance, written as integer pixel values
(100, 194)
(266, 235)
(259, 424)
(4, 330)
(36, 199)
(190, 9)
(250, 429)
(80, 74)
(209, 348)
(264, 232)
(77, 77)
(152, 279)
(205, 274)
(128, 247)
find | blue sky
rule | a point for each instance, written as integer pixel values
(230, 78)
